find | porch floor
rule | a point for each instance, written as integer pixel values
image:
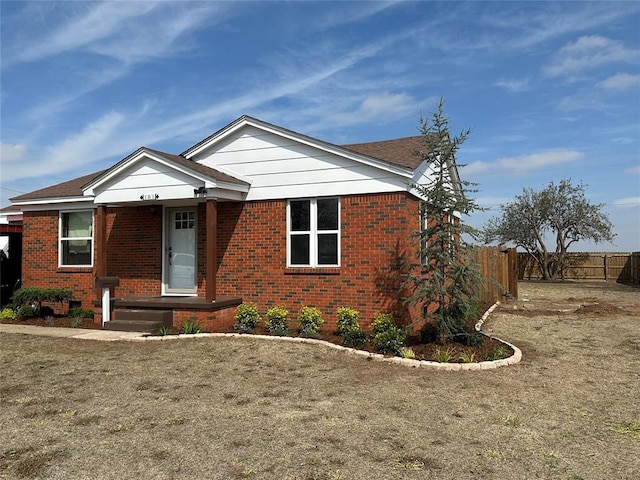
(176, 303)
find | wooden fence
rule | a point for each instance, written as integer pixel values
(500, 267)
(615, 267)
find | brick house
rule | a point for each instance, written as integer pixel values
(254, 212)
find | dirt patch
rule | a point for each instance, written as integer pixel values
(603, 308)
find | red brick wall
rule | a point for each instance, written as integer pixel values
(375, 232)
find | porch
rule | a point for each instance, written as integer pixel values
(148, 314)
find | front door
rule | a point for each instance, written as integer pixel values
(180, 251)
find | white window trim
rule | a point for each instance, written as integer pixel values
(61, 238)
(313, 234)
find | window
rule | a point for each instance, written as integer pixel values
(76, 238)
(313, 238)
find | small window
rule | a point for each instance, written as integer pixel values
(313, 232)
(76, 239)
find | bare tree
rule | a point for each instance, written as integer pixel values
(559, 214)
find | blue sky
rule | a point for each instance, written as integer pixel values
(551, 89)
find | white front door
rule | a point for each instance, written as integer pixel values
(180, 251)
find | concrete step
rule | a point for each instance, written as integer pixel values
(133, 326)
(139, 320)
(147, 315)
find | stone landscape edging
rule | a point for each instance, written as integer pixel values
(407, 362)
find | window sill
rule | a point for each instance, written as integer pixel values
(312, 271)
(71, 269)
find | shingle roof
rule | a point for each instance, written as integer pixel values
(208, 171)
(399, 151)
(71, 188)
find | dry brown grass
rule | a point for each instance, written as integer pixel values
(243, 408)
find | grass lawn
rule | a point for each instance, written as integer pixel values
(242, 408)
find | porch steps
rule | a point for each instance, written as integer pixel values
(139, 320)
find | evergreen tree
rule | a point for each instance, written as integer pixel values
(444, 278)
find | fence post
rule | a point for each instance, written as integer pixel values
(605, 267)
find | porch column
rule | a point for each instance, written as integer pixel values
(101, 241)
(211, 248)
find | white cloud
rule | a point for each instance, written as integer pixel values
(581, 101)
(94, 142)
(514, 85)
(621, 81)
(128, 31)
(627, 202)
(492, 202)
(635, 169)
(12, 154)
(378, 106)
(589, 52)
(525, 163)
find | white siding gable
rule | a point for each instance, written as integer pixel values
(147, 178)
(281, 167)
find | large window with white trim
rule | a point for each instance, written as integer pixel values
(313, 232)
(76, 239)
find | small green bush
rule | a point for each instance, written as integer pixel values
(79, 312)
(382, 322)
(36, 295)
(467, 357)
(355, 337)
(310, 319)
(163, 331)
(26, 312)
(190, 326)
(347, 320)
(429, 333)
(390, 341)
(77, 323)
(247, 318)
(444, 355)
(498, 353)
(471, 339)
(277, 322)
(406, 352)
(8, 314)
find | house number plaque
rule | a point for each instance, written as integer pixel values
(149, 196)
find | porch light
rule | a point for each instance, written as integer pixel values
(200, 192)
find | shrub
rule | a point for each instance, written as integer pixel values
(277, 322)
(406, 352)
(444, 356)
(310, 322)
(467, 357)
(471, 339)
(429, 333)
(498, 353)
(36, 295)
(79, 312)
(347, 320)
(382, 322)
(8, 314)
(26, 312)
(163, 331)
(190, 326)
(77, 323)
(247, 318)
(390, 341)
(355, 337)
(46, 311)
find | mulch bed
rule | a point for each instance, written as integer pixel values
(423, 351)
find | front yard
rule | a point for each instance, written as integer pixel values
(245, 408)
